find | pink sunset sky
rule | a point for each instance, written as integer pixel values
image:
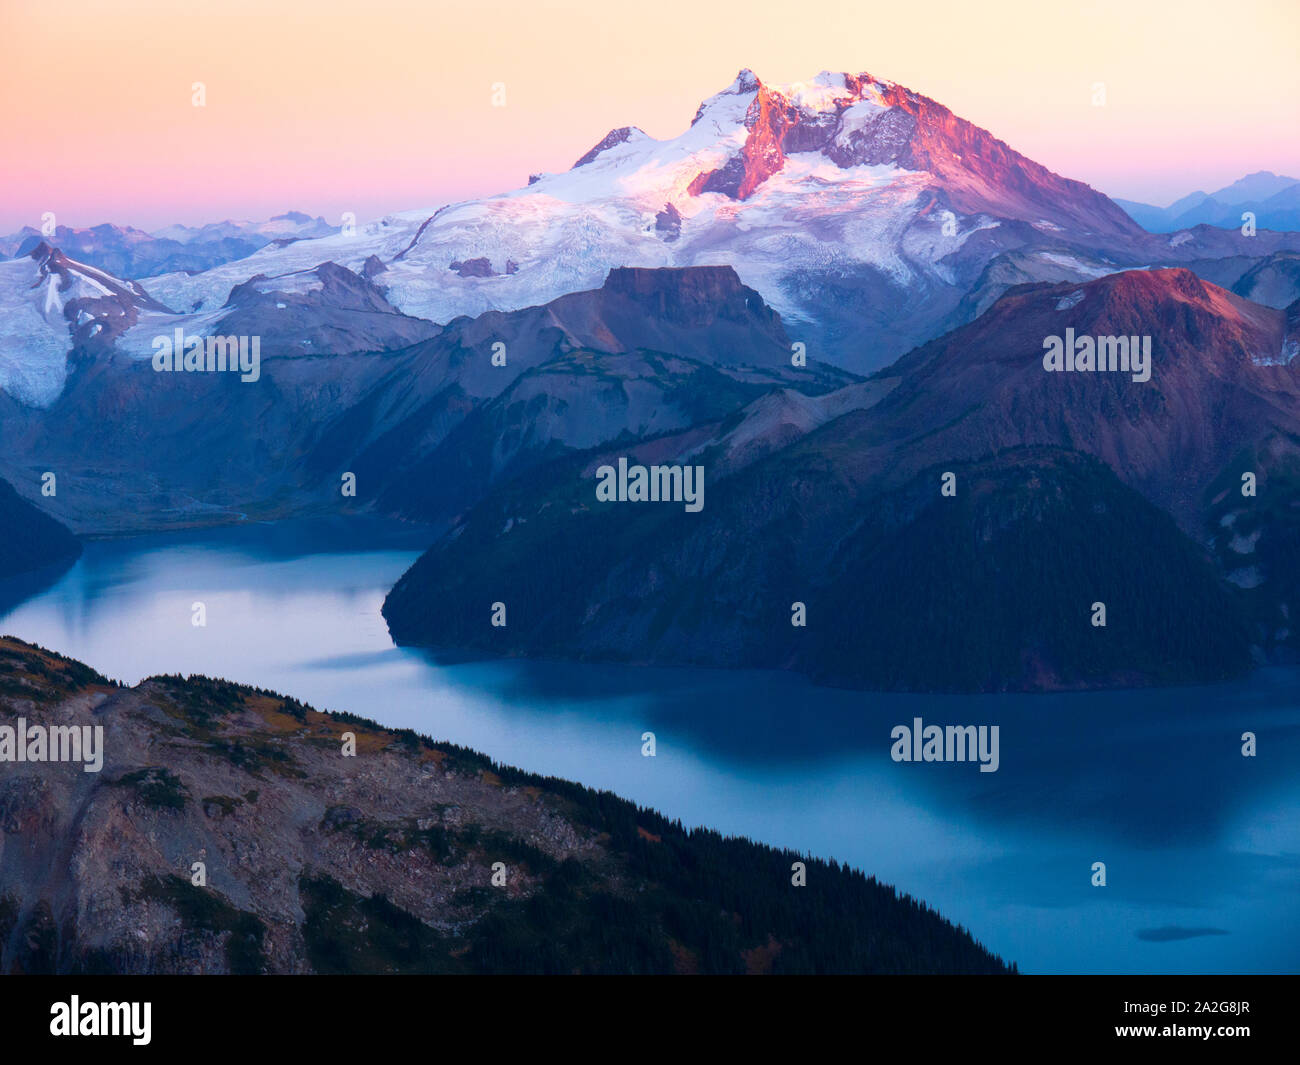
(384, 106)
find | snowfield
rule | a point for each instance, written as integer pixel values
(564, 232)
(33, 341)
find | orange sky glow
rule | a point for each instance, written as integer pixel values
(384, 106)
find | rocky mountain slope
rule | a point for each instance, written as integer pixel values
(1070, 489)
(227, 832)
(1222, 374)
(348, 384)
(691, 344)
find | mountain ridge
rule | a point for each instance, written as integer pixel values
(410, 856)
(1273, 199)
(840, 506)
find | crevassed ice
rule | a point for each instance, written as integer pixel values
(34, 336)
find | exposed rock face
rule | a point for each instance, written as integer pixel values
(870, 122)
(983, 387)
(768, 120)
(614, 137)
(858, 208)
(480, 267)
(668, 223)
(98, 307)
(696, 297)
(384, 862)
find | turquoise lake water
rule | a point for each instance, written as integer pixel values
(1201, 845)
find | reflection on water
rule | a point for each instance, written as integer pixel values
(1201, 845)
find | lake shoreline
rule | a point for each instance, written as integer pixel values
(1150, 781)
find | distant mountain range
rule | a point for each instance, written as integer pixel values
(132, 253)
(870, 217)
(1274, 200)
(411, 856)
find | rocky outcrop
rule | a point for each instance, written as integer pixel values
(611, 139)
(228, 831)
(869, 122)
(668, 223)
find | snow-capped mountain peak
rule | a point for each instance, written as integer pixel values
(48, 303)
(861, 211)
(811, 191)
